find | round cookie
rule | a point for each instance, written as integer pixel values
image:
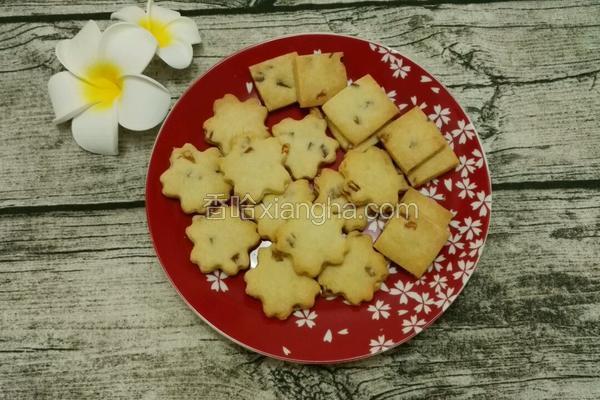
(194, 178)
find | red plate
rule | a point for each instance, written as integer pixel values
(331, 331)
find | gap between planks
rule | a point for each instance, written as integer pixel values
(507, 186)
(256, 7)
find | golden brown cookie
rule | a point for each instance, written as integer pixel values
(308, 145)
(255, 168)
(275, 283)
(233, 118)
(312, 239)
(360, 109)
(275, 81)
(194, 178)
(412, 244)
(412, 139)
(359, 275)
(371, 178)
(319, 77)
(275, 209)
(222, 240)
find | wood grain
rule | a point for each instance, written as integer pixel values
(88, 313)
(529, 87)
(42, 9)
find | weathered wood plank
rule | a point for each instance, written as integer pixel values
(44, 8)
(527, 105)
(88, 313)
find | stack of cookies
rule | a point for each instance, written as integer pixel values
(313, 216)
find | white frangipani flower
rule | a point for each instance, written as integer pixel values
(173, 34)
(103, 86)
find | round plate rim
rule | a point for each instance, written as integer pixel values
(244, 345)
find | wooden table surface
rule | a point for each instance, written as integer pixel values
(87, 312)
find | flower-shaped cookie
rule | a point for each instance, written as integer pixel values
(371, 178)
(359, 275)
(278, 287)
(195, 179)
(255, 167)
(309, 146)
(233, 118)
(329, 185)
(312, 238)
(272, 212)
(222, 240)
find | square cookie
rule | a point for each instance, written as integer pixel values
(441, 162)
(412, 139)
(274, 80)
(319, 77)
(413, 245)
(360, 109)
(415, 206)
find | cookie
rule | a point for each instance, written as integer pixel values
(255, 168)
(312, 239)
(412, 139)
(440, 163)
(356, 219)
(275, 209)
(319, 77)
(335, 132)
(222, 240)
(360, 109)
(194, 178)
(275, 82)
(277, 286)
(370, 177)
(368, 142)
(233, 118)
(412, 244)
(329, 186)
(308, 145)
(414, 206)
(359, 275)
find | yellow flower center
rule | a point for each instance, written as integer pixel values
(158, 30)
(106, 84)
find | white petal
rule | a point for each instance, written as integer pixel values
(65, 91)
(144, 103)
(97, 130)
(131, 14)
(129, 46)
(78, 53)
(163, 15)
(186, 30)
(178, 54)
